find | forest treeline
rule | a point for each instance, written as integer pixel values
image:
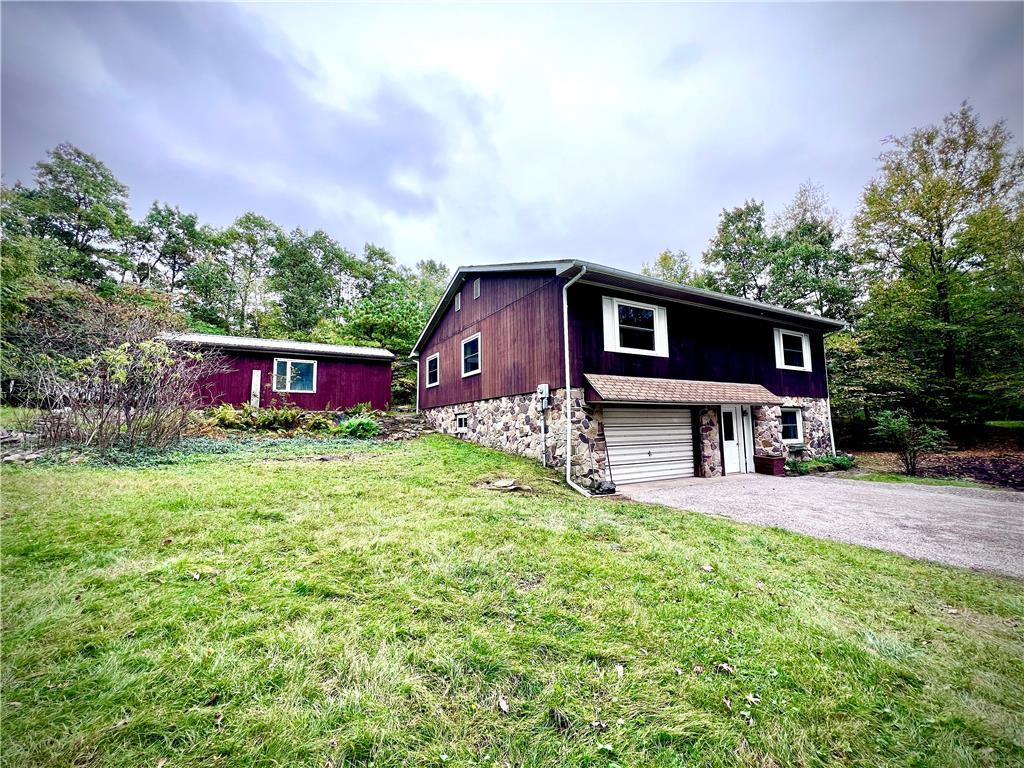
(929, 273)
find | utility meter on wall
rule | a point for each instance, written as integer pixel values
(543, 393)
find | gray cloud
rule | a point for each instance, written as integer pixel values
(181, 99)
(484, 133)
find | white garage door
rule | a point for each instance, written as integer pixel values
(648, 443)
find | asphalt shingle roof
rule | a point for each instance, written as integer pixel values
(638, 389)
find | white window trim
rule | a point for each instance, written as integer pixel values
(480, 356)
(476, 288)
(780, 358)
(460, 430)
(288, 376)
(426, 370)
(799, 426)
(458, 302)
(611, 306)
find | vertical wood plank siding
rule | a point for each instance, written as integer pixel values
(703, 344)
(519, 318)
(340, 382)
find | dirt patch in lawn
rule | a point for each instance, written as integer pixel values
(991, 466)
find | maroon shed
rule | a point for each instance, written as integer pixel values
(315, 377)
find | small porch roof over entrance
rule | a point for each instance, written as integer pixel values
(639, 389)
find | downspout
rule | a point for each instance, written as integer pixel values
(417, 383)
(567, 407)
(828, 395)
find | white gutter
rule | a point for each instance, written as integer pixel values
(567, 406)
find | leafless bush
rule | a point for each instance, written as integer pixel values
(136, 393)
(102, 374)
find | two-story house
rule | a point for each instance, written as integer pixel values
(645, 379)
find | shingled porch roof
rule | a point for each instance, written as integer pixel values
(638, 389)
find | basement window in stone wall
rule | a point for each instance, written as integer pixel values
(461, 423)
(792, 426)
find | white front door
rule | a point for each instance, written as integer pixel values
(733, 454)
(254, 389)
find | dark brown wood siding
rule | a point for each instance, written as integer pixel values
(340, 382)
(519, 318)
(703, 344)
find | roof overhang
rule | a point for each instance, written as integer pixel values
(640, 389)
(597, 274)
(279, 346)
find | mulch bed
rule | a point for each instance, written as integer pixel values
(997, 467)
(1006, 470)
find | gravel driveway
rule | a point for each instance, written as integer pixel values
(968, 527)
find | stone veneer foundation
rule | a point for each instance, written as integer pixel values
(710, 442)
(817, 427)
(517, 425)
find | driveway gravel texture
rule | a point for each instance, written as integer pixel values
(969, 527)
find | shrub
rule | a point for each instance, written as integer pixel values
(822, 464)
(318, 422)
(226, 416)
(361, 427)
(909, 438)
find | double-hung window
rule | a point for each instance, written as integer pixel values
(792, 350)
(433, 370)
(792, 425)
(471, 355)
(634, 327)
(294, 375)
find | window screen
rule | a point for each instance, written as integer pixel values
(636, 327)
(432, 372)
(793, 350)
(790, 425)
(471, 355)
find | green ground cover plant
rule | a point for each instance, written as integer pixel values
(385, 609)
(820, 464)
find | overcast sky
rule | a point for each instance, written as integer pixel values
(495, 133)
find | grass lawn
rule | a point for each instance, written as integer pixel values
(893, 477)
(238, 610)
(16, 418)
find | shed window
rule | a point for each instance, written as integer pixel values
(433, 371)
(792, 425)
(461, 423)
(458, 302)
(792, 350)
(635, 328)
(294, 375)
(476, 288)
(471, 355)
